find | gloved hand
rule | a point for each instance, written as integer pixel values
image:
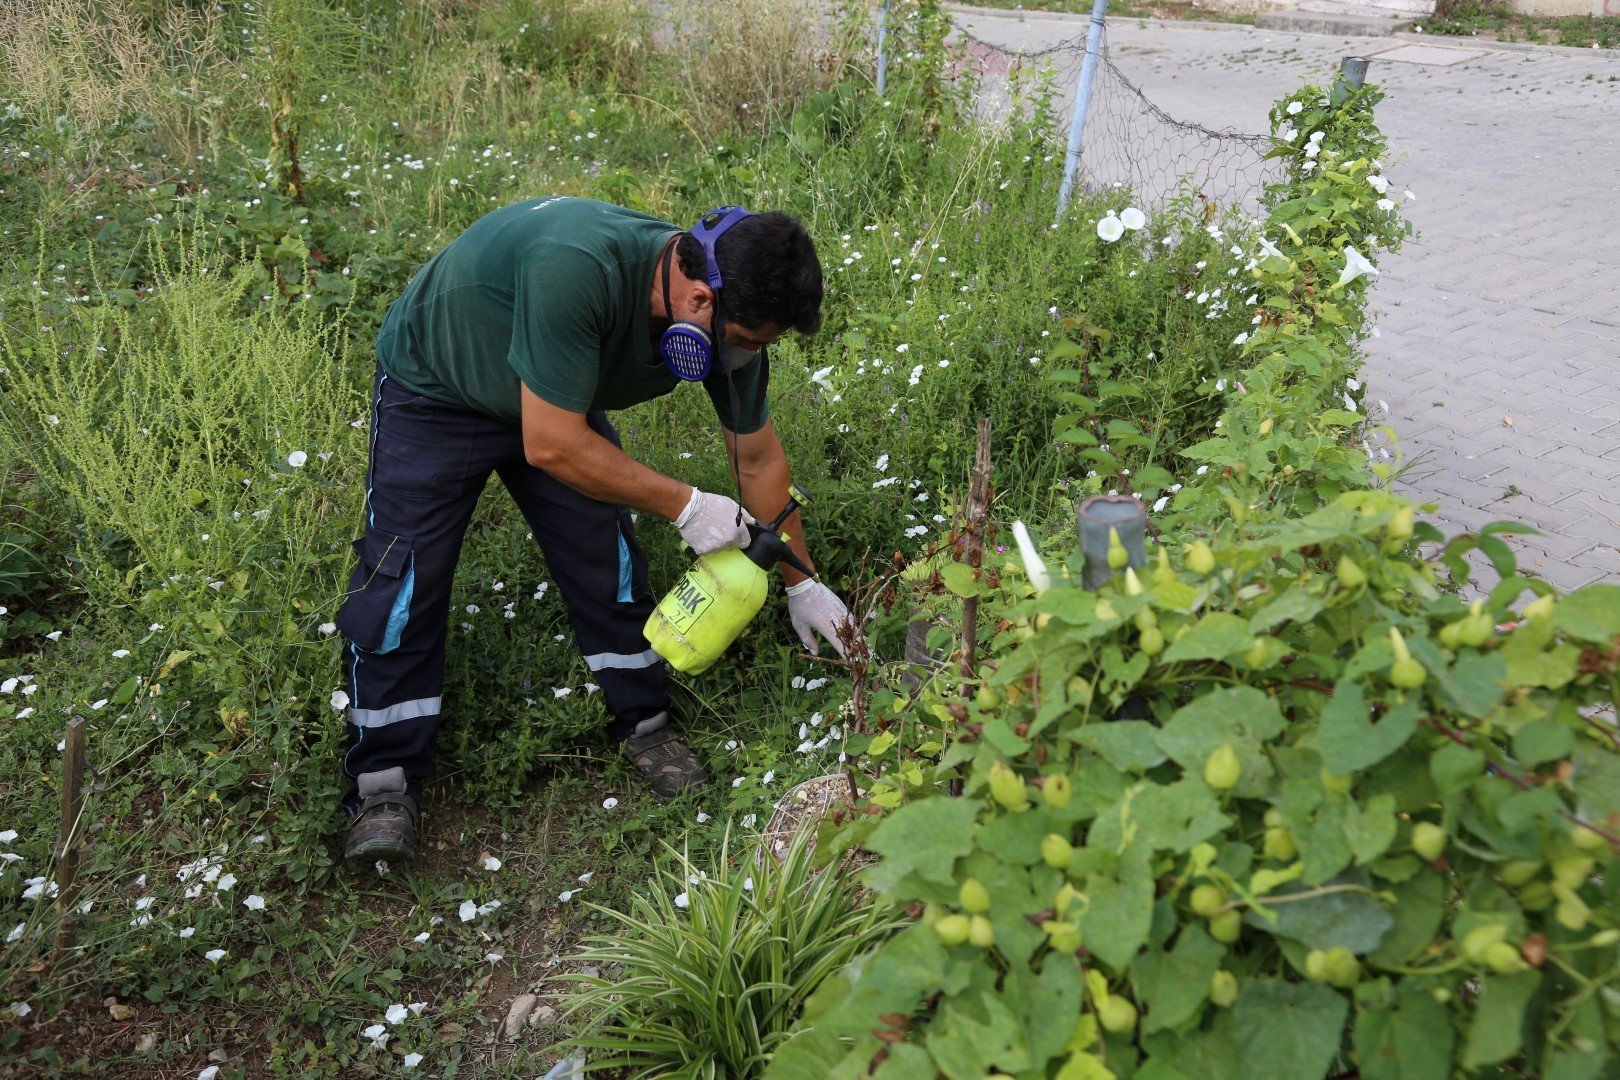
(709, 522)
(816, 609)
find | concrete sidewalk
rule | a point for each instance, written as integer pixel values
(1499, 346)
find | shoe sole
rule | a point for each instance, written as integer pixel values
(372, 850)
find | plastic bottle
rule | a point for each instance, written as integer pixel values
(702, 615)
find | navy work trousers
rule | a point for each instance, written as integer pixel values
(429, 462)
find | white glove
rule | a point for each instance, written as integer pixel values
(709, 523)
(816, 609)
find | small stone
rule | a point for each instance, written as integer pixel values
(121, 1012)
(147, 1044)
(218, 1055)
(452, 1032)
(517, 1013)
(543, 1017)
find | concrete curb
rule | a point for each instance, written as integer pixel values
(1312, 22)
(1506, 46)
(1398, 32)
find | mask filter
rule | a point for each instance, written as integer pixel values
(687, 349)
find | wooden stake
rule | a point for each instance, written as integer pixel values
(67, 847)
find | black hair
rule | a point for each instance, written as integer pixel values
(770, 271)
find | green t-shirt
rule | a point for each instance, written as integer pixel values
(552, 292)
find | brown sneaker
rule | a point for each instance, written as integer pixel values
(668, 764)
(385, 826)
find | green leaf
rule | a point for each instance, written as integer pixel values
(1353, 919)
(958, 578)
(1411, 1039)
(1418, 913)
(1215, 636)
(1127, 745)
(1016, 838)
(1295, 605)
(1322, 844)
(1369, 826)
(925, 837)
(1287, 1031)
(1474, 684)
(1585, 1050)
(970, 1035)
(1498, 1028)
(1455, 766)
(1048, 1004)
(1116, 923)
(1175, 984)
(1529, 663)
(1592, 613)
(1597, 782)
(1349, 740)
(1170, 817)
(1240, 715)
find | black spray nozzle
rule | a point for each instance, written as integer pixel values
(766, 547)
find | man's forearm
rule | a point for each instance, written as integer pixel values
(595, 467)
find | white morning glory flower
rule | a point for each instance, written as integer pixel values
(411, 1061)
(566, 895)
(1132, 218)
(1295, 108)
(297, 459)
(1379, 184)
(1110, 228)
(20, 1008)
(255, 902)
(1033, 564)
(396, 1014)
(1355, 266)
(682, 901)
(8, 836)
(585, 878)
(608, 804)
(468, 911)
(208, 1073)
(491, 863)
(327, 627)
(339, 701)
(378, 1036)
(119, 654)
(420, 938)
(188, 931)
(214, 956)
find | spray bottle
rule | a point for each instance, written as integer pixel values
(702, 615)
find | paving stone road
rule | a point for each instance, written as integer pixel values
(1499, 346)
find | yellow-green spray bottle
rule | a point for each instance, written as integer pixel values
(702, 615)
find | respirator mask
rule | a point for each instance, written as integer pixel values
(689, 351)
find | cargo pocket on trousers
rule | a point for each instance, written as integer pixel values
(378, 602)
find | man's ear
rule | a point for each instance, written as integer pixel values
(702, 299)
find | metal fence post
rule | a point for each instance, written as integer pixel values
(1082, 99)
(882, 49)
(1352, 74)
(1097, 516)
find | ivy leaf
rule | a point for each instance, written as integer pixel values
(1240, 715)
(1295, 605)
(1348, 739)
(971, 1034)
(1175, 983)
(1286, 1031)
(1215, 636)
(925, 837)
(1498, 1028)
(1127, 745)
(1370, 827)
(1592, 613)
(1121, 912)
(1410, 1040)
(1352, 919)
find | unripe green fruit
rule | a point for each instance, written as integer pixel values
(1540, 608)
(981, 935)
(1226, 927)
(1057, 791)
(1117, 1015)
(1586, 839)
(1604, 938)
(1064, 936)
(1572, 870)
(1336, 783)
(1441, 995)
(1428, 840)
(1056, 851)
(1476, 631)
(1133, 584)
(1350, 574)
(1400, 527)
(1316, 965)
(1206, 900)
(974, 896)
(988, 698)
(1223, 769)
(1450, 635)
(1163, 574)
(1200, 560)
(1572, 912)
(1504, 959)
(1480, 938)
(1516, 872)
(1343, 970)
(1145, 619)
(1273, 817)
(1152, 641)
(1257, 653)
(1280, 845)
(1104, 611)
(1407, 674)
(1007, 788)
(1117, 555)
(953, 929)
(1266, 879)
(1223, 989)
(1536, 896)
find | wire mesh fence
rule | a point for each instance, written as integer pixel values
(1128, 141)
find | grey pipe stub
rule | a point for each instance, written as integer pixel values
(1101, 513)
